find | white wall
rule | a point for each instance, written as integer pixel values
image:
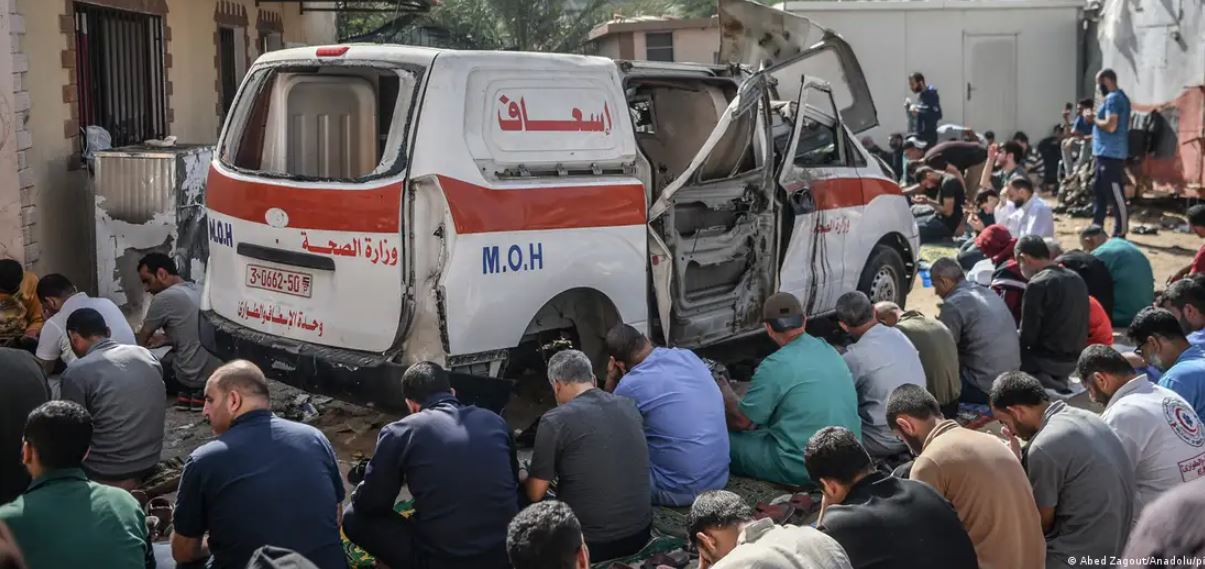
(892, 39)
(1156, 48)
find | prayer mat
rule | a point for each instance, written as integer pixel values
(358, 558)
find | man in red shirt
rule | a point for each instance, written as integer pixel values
(1196, 222)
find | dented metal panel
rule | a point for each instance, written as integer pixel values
(148, 200)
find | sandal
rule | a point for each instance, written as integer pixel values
(161, 509)
(778, 513)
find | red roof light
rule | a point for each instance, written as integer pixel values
(333, 51)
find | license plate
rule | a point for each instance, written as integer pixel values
(279, 280)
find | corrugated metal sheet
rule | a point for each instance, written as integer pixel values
(134, 186)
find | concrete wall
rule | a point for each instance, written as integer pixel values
(61, 197)
(893, 39)
(12, 245)
(696, 45)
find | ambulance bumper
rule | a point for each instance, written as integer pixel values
(360, 377)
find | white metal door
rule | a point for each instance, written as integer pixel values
(990, 69)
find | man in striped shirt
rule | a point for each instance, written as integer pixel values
(1035, 167)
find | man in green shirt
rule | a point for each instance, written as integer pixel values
(63, 520)
(937, 348)
(1133, 279)
(796, 391)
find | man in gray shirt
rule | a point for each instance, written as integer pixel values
(1083, 481)
(175, 309)
(593, 445)
(121, 386)
(982, 327)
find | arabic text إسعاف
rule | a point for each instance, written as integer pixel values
(518, 120)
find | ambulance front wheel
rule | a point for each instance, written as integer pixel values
(883, 277)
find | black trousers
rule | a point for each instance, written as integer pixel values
(623, 547)
(391, 539)
(1109, 189)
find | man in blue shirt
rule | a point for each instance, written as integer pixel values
(1161, 342)
(927, 109)
(1110, 147)
(263, 481)
(683, 413)
(1077, 134)
(458, 462)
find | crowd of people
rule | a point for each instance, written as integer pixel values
(869, 421)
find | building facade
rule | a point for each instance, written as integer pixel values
(657, 39)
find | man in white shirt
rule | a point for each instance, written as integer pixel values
(721, 525)
(881, 359)
(1023, 212)
(60, 299)
(1161, 433)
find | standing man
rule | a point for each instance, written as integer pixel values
(927, 109)
(1129, 269)
(121, 386)
(683, 413)
(262, 481)
(592, 444)
(980, 477)
(796, 391)
(63, 520)
(982, 327)
(176, 309)
(1054, 315)
(722, 528)
(1083, 482)
(458, 462)
(937, 350)
(22, 390)
(1162, 343)
(880, 359)
(883, 522)
(1161, 434)
(1111, 148)
(59, 300)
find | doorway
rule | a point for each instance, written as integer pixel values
(990, 69)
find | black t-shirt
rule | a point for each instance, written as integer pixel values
(950, 187)
(1095, 274)
(961, 154)
(594, 447)
(24, 389)
(888, 523)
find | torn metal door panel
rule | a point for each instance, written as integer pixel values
(149, 200)
(791, 47)
(714, 228)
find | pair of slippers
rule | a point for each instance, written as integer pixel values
(781, 509)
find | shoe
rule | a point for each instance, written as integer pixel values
(197, 401)
(184, 400)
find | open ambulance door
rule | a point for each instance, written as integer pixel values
(712, 245)
(790, 47)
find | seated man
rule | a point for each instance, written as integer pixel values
(22, 390)
(1075, 146)
(1129, 269)
(1161, 342)
(683, 414)
(1023, 212)
(799, 389)
(121, 386)
(980, 477)
(1196, 224)
(1095, 273)
(21, 315)
(1163, 531)
(592, 444)
(1054, 315)
(1083, 482)
(722, 528)
(262, 481)
(1185, 299)
(59, 300)
(882, 522)
(175, 309)
(1004, 164)
(1160, 432)
(937, 350)
(63, 520)
(938, 199)
(547, 535)
(458, 462)
(982, 327)
(880, 360)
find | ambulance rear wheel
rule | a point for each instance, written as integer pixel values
(883, 277)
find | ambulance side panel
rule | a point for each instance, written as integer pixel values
(533, 156)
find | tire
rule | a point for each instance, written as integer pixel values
(883, 276)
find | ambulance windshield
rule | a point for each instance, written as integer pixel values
(337, 122)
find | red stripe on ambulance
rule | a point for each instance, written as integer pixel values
(370, 210)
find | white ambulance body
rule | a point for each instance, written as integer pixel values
(372, 206)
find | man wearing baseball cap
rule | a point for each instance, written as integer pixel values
(796, 391)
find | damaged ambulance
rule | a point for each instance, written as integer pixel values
(381, 205)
